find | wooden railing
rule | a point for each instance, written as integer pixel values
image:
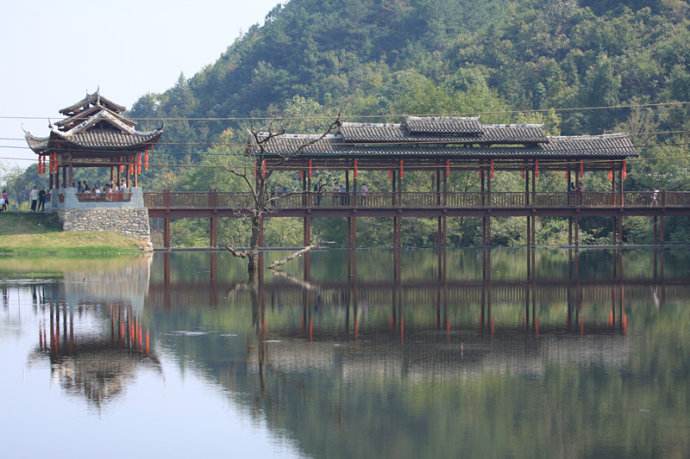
(419, 200)
(118, 196)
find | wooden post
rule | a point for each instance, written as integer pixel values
(136, 171)
(528, 229)
(166, 232)
(614, 231)
(393, 187)
(213, 231)
(352, 246)
(307, 242)
(166, 220)
(213, 220)
(396, 247)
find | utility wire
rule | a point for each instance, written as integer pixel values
(376, 116)
(409, 142)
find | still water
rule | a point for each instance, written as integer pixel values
(583, 356)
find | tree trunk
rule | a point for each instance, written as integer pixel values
(253, 258)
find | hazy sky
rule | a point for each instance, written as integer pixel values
(52, 52)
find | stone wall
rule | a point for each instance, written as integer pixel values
(130, 222)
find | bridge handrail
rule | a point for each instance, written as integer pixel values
(378, 200)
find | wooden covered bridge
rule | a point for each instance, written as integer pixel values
(440, 146)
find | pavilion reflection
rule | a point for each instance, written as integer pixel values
(94, 350)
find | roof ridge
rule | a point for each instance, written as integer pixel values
(513, 125)
(590, 136)
(365, 123)
(441, 117)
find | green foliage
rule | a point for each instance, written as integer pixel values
(313, 59)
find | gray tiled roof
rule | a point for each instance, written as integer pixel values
(95, 139)
(443, 125)
(619, 143)
(108, 138)
(92, 99)
(608, 145)
(490, 134)
(94, 123)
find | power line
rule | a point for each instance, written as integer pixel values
(375, 116)
(250, 163)
(242, 144)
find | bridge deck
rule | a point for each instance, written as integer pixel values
(200, 204)
(395, 205)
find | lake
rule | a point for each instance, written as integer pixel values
(585, 355)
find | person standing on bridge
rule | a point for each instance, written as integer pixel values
(5, 200)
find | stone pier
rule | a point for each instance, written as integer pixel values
(128, 217)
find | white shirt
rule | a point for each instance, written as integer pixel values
(33, 195)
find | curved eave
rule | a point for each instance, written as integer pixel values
(38, 145)
(93, 142)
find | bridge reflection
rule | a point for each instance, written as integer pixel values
(343, 309)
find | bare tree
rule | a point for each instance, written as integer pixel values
(259, 185)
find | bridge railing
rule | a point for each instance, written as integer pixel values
(416, 200)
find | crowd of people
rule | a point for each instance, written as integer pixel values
(83, 187)
(39, 197)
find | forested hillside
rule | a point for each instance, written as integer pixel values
(503, 59)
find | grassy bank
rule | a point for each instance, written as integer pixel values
(39, 235)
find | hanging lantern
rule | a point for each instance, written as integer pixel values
(536, 168)
(146, 159)
(447, 167)
(355, 169)
(264, 168)
(492, 172)
(122, 168)
(138, 163)
(402, 169)
(310, 168)
(582, 168)
(130, 169)
(610, 174)
(624, 171)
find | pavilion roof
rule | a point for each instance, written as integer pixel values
(510, 141)
(90, 100)
(94, 124)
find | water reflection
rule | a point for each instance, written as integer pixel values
(466, 354)
(90, 330)
(97, 366)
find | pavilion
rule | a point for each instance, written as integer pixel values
(95, 133)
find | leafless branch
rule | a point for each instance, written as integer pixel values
(237, 253)
(278, 263)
